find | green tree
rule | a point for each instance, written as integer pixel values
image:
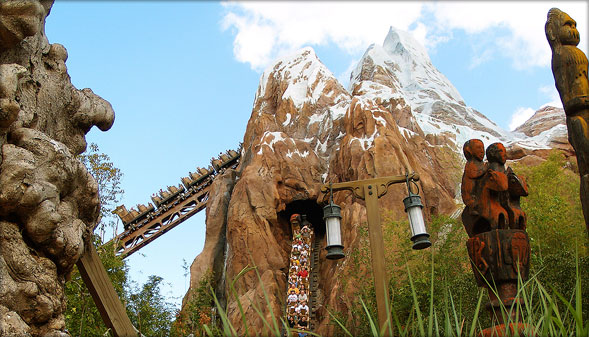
(553, 208)
(110, 192)
(198, 311)
(147, 308)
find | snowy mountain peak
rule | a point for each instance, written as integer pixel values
(402, 43)
(303, 71)
(409, 68)
(403, 65)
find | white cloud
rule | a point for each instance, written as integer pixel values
(267, 30)
(253, 43)
(520, 116)
(353, 26)
(525, 42)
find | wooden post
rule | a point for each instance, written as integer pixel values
(103, 293)
(370, 190)
(377, 253)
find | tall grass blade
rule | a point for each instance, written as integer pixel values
(458, 326)
(228, 329)
(577, 316)
(416, 303)
(387, 329)
(239, 275)
(373, 328)
(264, 320)
(447, 322)
(582, 330)
(475, 318)
(343, 327)
(208, 330)
(397, 322)
(436, 323)
(274, 322)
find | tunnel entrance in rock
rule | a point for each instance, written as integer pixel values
(302, 276)
(307, 207)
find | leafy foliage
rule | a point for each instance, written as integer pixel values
(108, 178)
(451, 273)
(198, 311)
(147, 308)
(556, 225)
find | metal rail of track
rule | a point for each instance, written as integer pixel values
(314, 283)
(143, 228)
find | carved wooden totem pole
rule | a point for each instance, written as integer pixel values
(498, 244)
(569, 67)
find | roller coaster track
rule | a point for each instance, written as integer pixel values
(173, 206)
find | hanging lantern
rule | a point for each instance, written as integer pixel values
(332, 217)
(413, 207)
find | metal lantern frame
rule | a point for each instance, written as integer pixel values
(413, 208)
(332, 217)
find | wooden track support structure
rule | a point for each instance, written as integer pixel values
(164, 220)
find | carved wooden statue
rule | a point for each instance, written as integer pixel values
(569, 67)
(498, 246)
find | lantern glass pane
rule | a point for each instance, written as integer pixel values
(416, 221)
(334, 236)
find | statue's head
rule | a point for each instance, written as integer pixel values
(496, 153)
(474, 148)
(561, 29)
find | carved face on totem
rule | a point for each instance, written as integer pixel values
(561, 28)
(496, 153)
(568, 33)
(474, 148)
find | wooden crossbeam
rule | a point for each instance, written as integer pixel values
(174, 214)
(103, 293)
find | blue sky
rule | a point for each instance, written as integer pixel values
(182, 76)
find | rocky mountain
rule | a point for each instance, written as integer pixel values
(399, 115)
(547, 126)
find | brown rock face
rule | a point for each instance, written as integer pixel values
(305, 130)
(48, 201)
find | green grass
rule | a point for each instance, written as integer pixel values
(543, 310)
